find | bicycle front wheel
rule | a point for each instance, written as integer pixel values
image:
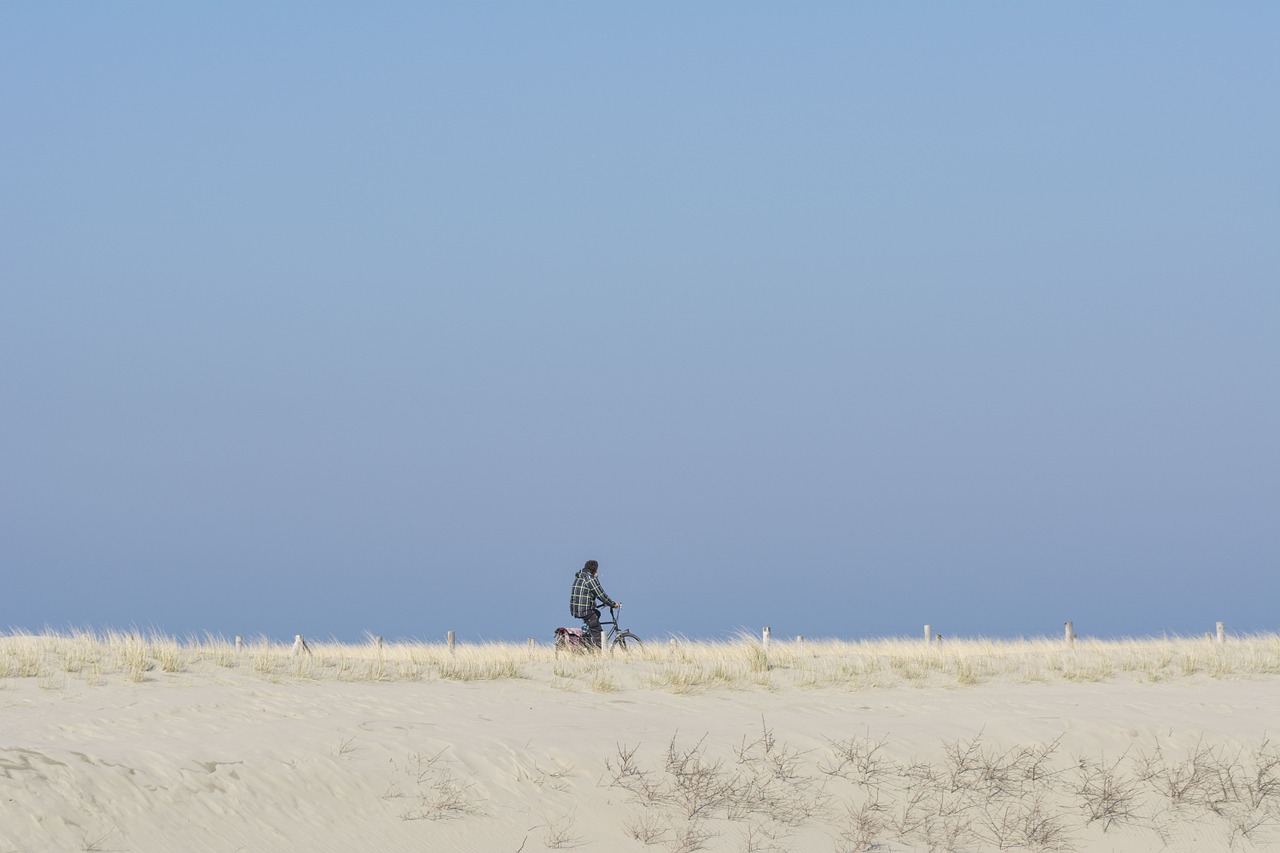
(626, 642)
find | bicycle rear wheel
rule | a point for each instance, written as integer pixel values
(626, 642)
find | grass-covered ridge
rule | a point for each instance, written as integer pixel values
(678, 666)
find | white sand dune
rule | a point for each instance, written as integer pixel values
(229, 758)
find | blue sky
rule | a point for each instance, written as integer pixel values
(841, 318)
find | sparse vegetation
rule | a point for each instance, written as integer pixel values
(428, 789)
(972, 795)
(560, 833)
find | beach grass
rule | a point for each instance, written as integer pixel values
(676, 665)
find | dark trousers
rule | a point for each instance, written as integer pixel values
(593, 628)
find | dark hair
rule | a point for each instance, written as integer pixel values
(591, 566)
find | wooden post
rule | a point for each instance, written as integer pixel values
(452, 643)
(531, 643)
(928, 635)
(377, 641)
(764, 637)
(1222, 633)
(1069, 633)
(239, 644)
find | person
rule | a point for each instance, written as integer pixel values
(582, 600)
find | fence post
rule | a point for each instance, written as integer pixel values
(1069, 633)
(452, 643)
(928, 635)
(1222, 633)
(239, 644)
(764, 637)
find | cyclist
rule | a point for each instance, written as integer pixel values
(582, 600)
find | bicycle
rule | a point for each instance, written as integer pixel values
(616, 639)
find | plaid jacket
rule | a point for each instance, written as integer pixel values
(586, 589)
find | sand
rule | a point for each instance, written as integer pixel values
(225, 759)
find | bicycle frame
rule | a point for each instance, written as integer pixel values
(616, 637)
(614, 628)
